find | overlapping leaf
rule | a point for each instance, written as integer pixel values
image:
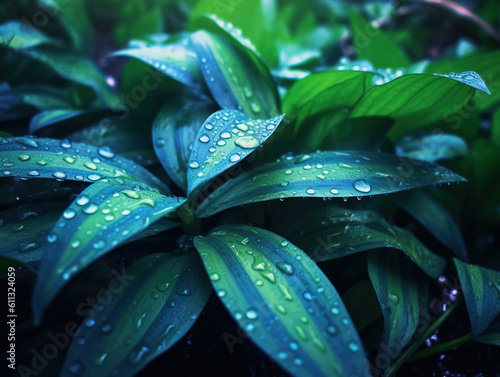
(325, 91)
(435, 218)
(283, 301)
(333, 232)
(154, 303)
(431, 147)
(18, 35)
(226, 138)
(176, 60)
(396, 286)
(102, 217)
(174, 134)
(415, 101)
(481, 289)
(236, 80)
(325, 174)
(31, 157)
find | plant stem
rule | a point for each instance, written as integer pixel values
(440, 348)
(405, 355)
(190, 221)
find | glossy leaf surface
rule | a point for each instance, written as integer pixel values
(268, 283)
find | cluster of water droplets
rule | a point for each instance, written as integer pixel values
(229, 135)
(470, 78)
(382, 76)
(234, 32)
(59, 160)
(270, 275)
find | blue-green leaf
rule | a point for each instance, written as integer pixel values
(431, 147)
(176, 60)
(325, 174)
(283, 301)
(434, 217)
(18, 35)
(174, 134)
(237, 80)
(226, 138)
(31, 157)
(74, 18)
(76, 69)
(396, 285)
(481, 289)
(334, 232)
(491, 335)
(24, 229)
(51, 118)
(102, 217)
(140, 322)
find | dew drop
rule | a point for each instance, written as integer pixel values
(69, 213)
(66, 144)
(353, 347)
(235, 158)
(34, 173)
(82, 200)
(90, 209)
(251, 314)
(204, 139)
(69, 160)
(59, 175)
(255, 107)
(131, 194)
(334, 191)
(310, 191)
(106, 152)
(362, 186)
(28, 246)
(286, 268)
(247, 142)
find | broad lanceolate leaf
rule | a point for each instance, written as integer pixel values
(325, 91)
(492, 334)
(483, 63)
(76, 69)
(103, 216)
(18, 35)
(226, 138)
(174, 134)
(154, 303)
(396, 286)
(326, 174)
(335, 232)
(481, 289)
(74, 18)
(237, 80)
(434, 217)
(431, 147)
(414, 101)
(31, 157)
(24, 229)
(283, 301)
(176, 60)
(374, 45)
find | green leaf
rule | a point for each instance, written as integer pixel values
(431, 147)
(434, 217)
(18, 35)
(174, 134)
(176, 60)
(374, 45)
(24, 229)
(139, 323)
(76, 69)
(396, 285)
(102, 217)
(486, 64)
(60, 117)
(237, 80)
(74, 18)
(43, 97)
(327, 175)
(495, 127)
(481, 289)
(415, 101)
(267, 283)
(335, 232)
(363, 312)
(31, 157)
(491, 335)
(239, 19)
(325, 91)
(226, 138)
